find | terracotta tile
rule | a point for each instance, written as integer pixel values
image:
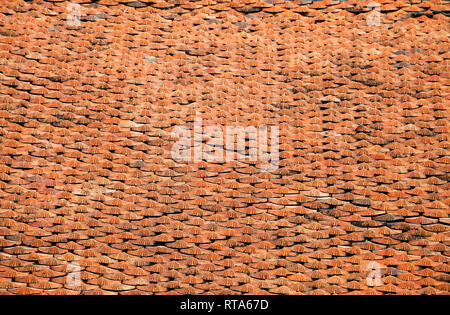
(87, 175)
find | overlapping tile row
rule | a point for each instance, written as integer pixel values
(92, 201)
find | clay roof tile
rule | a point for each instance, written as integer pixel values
(110, 192)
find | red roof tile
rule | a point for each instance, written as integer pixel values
(88, 185)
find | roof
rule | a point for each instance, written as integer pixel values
(92, 201)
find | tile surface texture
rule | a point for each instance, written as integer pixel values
(92, 202)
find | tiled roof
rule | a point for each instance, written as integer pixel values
(92, 201)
